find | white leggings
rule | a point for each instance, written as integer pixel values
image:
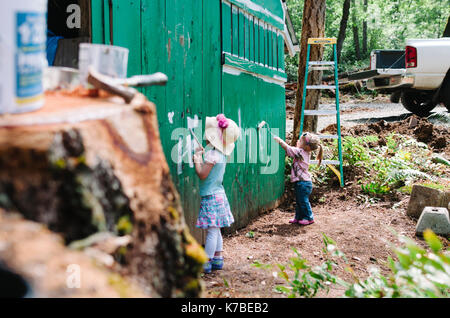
(214, 242)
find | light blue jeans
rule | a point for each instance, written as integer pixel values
(303, 209)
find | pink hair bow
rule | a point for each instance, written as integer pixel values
(223, 123)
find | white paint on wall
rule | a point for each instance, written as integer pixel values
(170, 116)
(240, 122)
(192, 122)
(180, 156)
(236, 72)
(189, 150)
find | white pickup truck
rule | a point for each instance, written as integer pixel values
(418, 76)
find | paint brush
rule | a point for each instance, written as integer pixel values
(196, 139)
(108, 84)
(264, 123)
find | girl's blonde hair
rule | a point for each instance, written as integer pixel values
(314, 143)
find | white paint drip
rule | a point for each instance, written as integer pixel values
(240, 122)
(192, 122)
(189, 146)
(180, 156)
(170, 116)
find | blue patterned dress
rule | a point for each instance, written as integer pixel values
(214, 207)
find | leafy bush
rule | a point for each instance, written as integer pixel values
(400, 162)
(307, 280)
(416, 273)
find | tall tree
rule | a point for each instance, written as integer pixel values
(343, 28)
(313, 27)
(355, 32)
(447, 29)
(364, 32)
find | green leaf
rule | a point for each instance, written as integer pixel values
(432, 240)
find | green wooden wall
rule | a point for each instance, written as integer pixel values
(185, 40)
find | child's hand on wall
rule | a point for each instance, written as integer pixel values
(198, 155)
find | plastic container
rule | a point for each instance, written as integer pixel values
(105, 59)
(22, 54)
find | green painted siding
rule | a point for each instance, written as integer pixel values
(251, 39)
(226, 25)
(235, 30)
(248, 188)
(267, 10)
(186, 40)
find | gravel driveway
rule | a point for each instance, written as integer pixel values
(359, 113)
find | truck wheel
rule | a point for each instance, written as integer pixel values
(395, 97)
(445, 94)
(419, 103)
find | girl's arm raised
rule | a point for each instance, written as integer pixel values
(283, 144)
(293, 152)
(202, 168)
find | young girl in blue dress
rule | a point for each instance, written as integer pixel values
(221, 134)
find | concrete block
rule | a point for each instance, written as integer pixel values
(424, 196)
(436, 219)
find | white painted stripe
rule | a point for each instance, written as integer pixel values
(255, 7)
(236, 72)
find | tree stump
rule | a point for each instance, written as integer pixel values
(83, 165)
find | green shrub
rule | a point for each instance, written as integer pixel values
(416, 273)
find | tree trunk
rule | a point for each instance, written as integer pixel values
(364, 35)
(313, 27)
(447, 29)
(343, 28)
(84, 165)
(355, 32)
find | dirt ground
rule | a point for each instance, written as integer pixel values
(362, 233)
(363, 230)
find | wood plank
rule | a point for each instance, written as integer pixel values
(98, 32)
(154, 56)
(281, 66)
(268, 11)
(241, 34)
(107, 23)
(235, 28)
(226, 27)
(262, 51)
(86, 19)
(127, 32)
(251, 27)
(275, 48)
(270, 46)
(247, 37)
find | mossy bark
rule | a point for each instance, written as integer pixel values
(103, 170)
